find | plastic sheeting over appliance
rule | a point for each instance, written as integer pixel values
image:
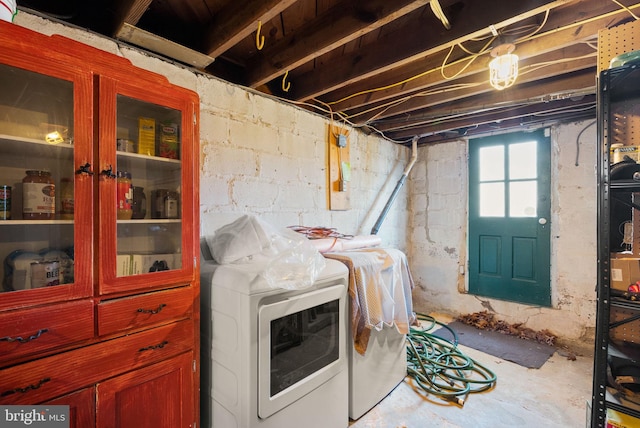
(289, 259)
(380, 286)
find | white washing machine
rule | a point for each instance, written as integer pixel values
(383, 286)
(375, 374)
(273, 358)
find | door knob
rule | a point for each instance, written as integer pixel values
(542, 220)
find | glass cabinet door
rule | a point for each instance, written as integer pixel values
(40, 183)
(148, 183)
(145, 156)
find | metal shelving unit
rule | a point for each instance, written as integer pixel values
(618, 122)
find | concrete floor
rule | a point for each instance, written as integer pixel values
(556, 395)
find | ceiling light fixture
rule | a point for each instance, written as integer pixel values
(503, 68)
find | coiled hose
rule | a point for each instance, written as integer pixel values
(440, 368)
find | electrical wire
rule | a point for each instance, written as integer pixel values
(440, 368)
(626, 8)
(531, 36)
(439, 13)
(473, 58)
(578, 140)
(537, 30)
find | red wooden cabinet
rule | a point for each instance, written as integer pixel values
(99, 300)
(82, 412)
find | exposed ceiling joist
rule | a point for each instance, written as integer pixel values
(378, 64)
(331, 30)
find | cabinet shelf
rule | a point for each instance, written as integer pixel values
(625, 304)
(5, 223)
(146, 161)
(30, 147)
(148, 221)
(625, 185)
(613, 404)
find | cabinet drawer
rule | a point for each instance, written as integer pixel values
(28, 331)
(44, 379)
(144, 310)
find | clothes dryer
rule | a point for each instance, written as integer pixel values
(273, 358)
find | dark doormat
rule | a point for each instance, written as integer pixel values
(526, 353)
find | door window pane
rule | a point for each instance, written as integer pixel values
(523, 196)
(491, 163)
(523, 160)
(492, 200)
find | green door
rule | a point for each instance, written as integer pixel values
(509, 208)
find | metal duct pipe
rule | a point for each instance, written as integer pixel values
(403, 178)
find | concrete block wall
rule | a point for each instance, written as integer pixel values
(438, 235)
(262, 156)
(265, 157)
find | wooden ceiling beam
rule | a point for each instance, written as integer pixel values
(498, 116)
(341, 24)
(533, 69)
(562, 33)
(577, 84)
(524, 121)
(237, 20)
(414, 43)
(129, 12)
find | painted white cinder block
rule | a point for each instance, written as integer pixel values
(438, 237)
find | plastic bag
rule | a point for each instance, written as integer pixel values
(297, 263)
(291, 261)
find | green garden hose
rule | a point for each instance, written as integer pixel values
(440, 368)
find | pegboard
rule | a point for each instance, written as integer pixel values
(625, 116)
(628, 332)
(625, 123)
(616, 41)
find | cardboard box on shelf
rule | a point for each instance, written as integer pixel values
(617, 419)
(169, 145)
(624, 272)
(123, 264)
(146, 136)
(145, 263)
(19, 122)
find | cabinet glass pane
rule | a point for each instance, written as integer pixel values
(148, 197)
(36, 180)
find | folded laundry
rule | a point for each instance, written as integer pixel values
(325, 245)
(380, 286)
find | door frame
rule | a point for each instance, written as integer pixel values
(544, 296)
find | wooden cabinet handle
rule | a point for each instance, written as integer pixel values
(85, 169)
(23, 340)
(108, 172)
(152, 347)
(152, 311)
(26, 389)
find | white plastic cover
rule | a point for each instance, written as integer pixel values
(291, 261)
